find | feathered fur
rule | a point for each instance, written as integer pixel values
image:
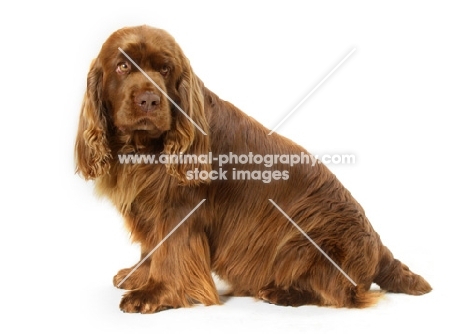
(237, 232)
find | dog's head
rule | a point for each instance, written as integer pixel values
(141, 89)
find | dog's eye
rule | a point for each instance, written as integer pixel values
(164, 70)
(123, 68)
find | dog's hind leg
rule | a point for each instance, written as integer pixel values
(289, 297)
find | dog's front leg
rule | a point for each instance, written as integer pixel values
(179, 275)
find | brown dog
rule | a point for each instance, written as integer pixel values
(240, 228)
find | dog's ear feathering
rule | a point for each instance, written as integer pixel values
(238, 234)
(92, 152)
(184, 137)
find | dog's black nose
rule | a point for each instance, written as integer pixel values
(147, 101)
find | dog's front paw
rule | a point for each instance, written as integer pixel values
(141, 301)
(136, 280)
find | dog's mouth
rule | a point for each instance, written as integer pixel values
(151, 128)
(144, 124)
(129, 120)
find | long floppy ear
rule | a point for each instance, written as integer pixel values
(185, 137)
(92, 152)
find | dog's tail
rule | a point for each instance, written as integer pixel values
(394, 276)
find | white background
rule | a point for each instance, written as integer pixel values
(397, 103)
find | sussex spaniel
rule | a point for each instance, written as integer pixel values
(143, 97)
